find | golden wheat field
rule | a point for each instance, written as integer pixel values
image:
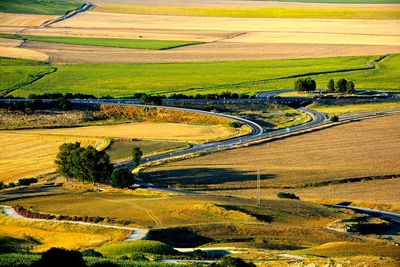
(365, 148)
(214, 51)
(146, 131)
(9, 48)
(54, 234)
(23, 20)
(30, 155)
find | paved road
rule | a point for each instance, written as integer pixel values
(136, 233)
(392, 216)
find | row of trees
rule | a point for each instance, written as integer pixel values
(90, 165)
(340, 86)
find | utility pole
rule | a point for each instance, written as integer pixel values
(98, 92)
(258, 187)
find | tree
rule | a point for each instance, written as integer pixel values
(305, 84)
(121, 178)
(60, 257)
(341, 86)
(85, 164)
(350, 87)
(331, 86)
(136, 156)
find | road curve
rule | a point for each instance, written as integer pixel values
(136, 233)
(393, 216)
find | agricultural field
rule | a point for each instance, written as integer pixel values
(29, 155)
(121, 80)
(109, 42)
(346, 109)
(346, 151)
(44, 7)
(316, 12)
(40, 236)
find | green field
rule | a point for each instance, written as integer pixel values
(138, 246)
(121, 80)
(109, 42)
(330, 12)
(43, 7)
(15, 72)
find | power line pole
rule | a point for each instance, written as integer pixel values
(258, 187)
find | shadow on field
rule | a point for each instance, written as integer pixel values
(202, 176)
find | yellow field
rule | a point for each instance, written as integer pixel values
(30, 155)
(8, 48)
(345, 109)
(357, 149)
(53, 234)
(146, 131)
(23, 20)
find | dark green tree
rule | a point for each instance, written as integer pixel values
(121, 178)
(341, 86)
(64, 159)
(331, 86)
(350, 87)
(305, 84)
(136, 156)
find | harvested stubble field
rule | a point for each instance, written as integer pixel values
(346, 109)
(145, 130)
(40, 236)
(214, 51)
(211, 77)
(329, 12)
(358, 149)
(23, 20)
(9, 48)
(29, 155)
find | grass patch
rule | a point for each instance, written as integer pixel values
(43, 7)
(122, 149)
(345, 109)
(257, 12)
(138, 246)
(121, 80)
(108, 42)
(53, 234)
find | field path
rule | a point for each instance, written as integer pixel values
(136, 233)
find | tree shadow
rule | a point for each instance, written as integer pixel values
(179, 237)
(202, 176)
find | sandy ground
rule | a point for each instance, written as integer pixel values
(9, 48)
(23, 20)
(218, 51)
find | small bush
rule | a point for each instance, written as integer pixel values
(287, 195)
(334, 118)
(27, 181)
(235, 124)
(91, 253)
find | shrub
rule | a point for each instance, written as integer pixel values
(91, 253)
(334, 118)
(305, 84)
(27, 181)
(287, 195)
(121, 178)
(232, 262)
(235, 124)
(60, 257)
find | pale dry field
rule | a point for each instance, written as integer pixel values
(29, 155)
(129, 21)
(23, 20)
(9, 48)
(358, 149)
(216, 51)
(145, 131)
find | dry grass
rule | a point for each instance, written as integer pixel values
(29, 155)
(145, 131)
(355, 108)
(358, 149)
(53, 234)
(285, 26)
(215, 51)
(23, 20)
(8, 48)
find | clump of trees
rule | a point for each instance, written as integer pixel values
(341, 86)
(287, 195)
(305, 85)
(84, 164)
(121, 178)
(151, 100)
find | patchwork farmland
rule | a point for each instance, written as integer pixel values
(199, 133)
